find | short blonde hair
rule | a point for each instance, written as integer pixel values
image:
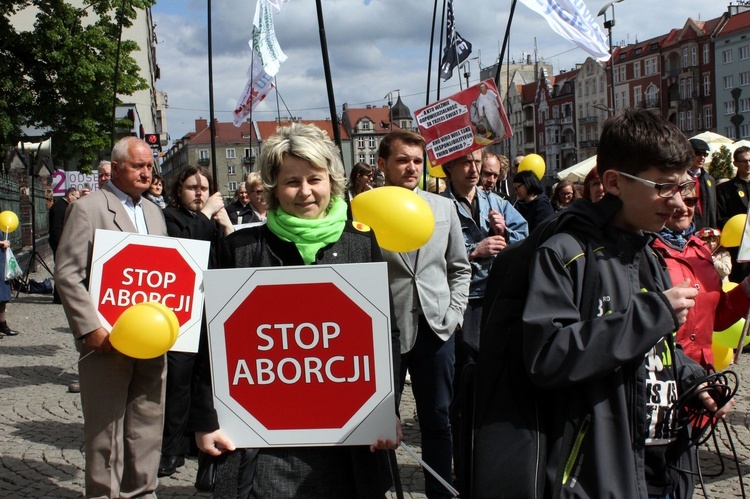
(306, 142)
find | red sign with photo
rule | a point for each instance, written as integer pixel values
(464, 122)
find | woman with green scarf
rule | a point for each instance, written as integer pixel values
(304, 181)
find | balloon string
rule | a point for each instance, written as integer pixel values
(75, 363)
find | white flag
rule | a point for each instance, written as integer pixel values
(267, 59)
(572, 20)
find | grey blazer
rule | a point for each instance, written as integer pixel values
(99, 210)
(439, 285)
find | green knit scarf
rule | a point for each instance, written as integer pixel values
(309, 235)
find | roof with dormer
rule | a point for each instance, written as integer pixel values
(738, 22)
(380, 117)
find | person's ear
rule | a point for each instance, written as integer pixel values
(381, 164)
(611, 181)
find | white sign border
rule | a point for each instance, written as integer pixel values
(108, 243)
(364, 283)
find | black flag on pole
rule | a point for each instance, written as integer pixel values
(456, 50)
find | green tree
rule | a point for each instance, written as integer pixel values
(59, 76)
(721, 164)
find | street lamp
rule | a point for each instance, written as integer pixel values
(608, 25)
(466, 65)
(389, 96)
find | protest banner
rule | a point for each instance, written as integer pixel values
(301, 356)
(464, 122)
(129, 268)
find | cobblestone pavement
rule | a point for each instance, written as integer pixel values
(41, 428)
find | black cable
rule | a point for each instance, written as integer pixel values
(700, 422)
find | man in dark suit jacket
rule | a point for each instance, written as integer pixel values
(731, 200)
(705, 214)
(122, 398)
(56, 218)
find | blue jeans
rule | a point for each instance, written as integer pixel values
(430, 364)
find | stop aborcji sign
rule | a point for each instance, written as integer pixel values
(129, 268)
(301, 355)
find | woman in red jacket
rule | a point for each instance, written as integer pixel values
(688, 257)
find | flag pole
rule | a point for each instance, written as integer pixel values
(442, 24)
(212, 126)
(505, 43)
(329, 83)
(429, 62)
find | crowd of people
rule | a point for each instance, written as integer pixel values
(647, 206)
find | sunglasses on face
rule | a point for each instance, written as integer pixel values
(701, 153)
(690, 202)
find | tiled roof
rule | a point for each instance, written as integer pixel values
(226, 133)
(737, 22)
(268, 128)
(380, 116)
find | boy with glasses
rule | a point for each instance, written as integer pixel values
(606, 356)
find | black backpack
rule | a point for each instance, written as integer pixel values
(509, 444)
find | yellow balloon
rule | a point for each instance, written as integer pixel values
(8, 221)
(145, 331)
(731, 234)
(401, 219)
(730, 337)
(436, 170)
(534, 163)
(722, 356)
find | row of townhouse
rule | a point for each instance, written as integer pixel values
(361, 130)
(697, 76)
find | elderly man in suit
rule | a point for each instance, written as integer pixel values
(122, 398)
(430, 288)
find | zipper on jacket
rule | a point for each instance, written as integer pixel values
(569, 473)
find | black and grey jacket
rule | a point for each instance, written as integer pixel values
(594, 366)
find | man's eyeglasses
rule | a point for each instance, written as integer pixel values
(665, 190)
(690, 202)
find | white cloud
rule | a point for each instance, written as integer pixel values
(375, 46)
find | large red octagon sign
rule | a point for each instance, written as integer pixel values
(128, 268)
(301, 356)
(319, 350)
(130, 277)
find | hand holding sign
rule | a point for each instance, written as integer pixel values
(401, 219)
(145, 331)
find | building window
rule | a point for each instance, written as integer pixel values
(729, 132)
(708, 117)
(637, 69)
(602, 84)
(637, 97)
(729, 107)
(361, 142)
(361, 158)
(682, 88)
(706, 85)
(689, 87)
(203, 154)
(623, 76)
(744, 130)
(652, 93)
(693, 56)
(365, 125)
(728, 81)
(580, 89)
(726, 56)
(371, 142)
(744, 78)
(373, 159)
(706, 57)
(681, 120)
(248, 153)
(555, 112)
(231, 170)
(230, 153)
(649, 66)
(744, 52)
(689, 120)
(232, 187)
(745, 104)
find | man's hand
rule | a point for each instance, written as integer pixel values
(213, 443)
(489, 246)
(5, 244)
(389, 444)
(98, 340)
(681, 297)
(213, 204)
(497, 222)
(711, 405)
(222, 217)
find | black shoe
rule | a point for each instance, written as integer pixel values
(169, 464)
(4, 329)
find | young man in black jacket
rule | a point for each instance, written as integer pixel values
(614, 375)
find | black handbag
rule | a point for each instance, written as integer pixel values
(205, 479)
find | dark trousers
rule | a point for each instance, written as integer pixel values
(461, 413)
(430, 364)
(177, 403)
